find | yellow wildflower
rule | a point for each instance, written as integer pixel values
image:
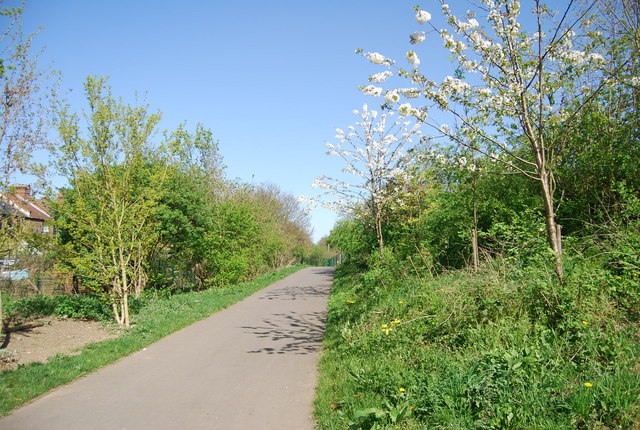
(386, 329)
(585, 322)
(588, 384)
(395, 322)
(401, 302)
(401, 389)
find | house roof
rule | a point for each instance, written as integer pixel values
(21, 203)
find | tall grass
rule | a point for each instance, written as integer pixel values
(502, 348)
(157, 318)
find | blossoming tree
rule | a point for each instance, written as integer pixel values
(517, 76)
(374, 154)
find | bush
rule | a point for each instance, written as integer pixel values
(88, 307)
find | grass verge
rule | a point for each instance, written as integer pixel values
(158, 318)
(465, 350)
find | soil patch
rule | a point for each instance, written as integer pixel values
(56, 336)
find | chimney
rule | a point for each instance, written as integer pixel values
(23, 191)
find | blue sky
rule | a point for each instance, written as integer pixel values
(271, 79)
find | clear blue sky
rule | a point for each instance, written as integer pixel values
(271, 79)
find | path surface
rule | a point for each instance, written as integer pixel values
(251, 366)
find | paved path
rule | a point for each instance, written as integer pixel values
(251, 366)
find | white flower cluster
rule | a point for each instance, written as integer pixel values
(379, 78)
(417, 37)
(377, 58)
(374, 155)
(372, 91)
(423, 17)
(413, 59)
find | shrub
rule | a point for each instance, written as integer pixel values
(88, 307)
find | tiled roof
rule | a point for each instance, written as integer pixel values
(29, 208)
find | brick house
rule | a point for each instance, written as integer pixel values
(20, 202)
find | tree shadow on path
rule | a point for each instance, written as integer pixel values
(295, 332)
(291, 333)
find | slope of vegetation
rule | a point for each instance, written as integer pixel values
(499, 286)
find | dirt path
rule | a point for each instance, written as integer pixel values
(251, 366)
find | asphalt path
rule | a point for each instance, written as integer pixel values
(251, 366)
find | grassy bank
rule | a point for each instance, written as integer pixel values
(157, 318)
(469, 351)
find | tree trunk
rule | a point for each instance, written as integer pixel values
(378, 223)
(554, 230)
(474, 249)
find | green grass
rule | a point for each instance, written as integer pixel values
(158, 318)
(465, 350)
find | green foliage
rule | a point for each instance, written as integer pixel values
(108, 213)
(353, 239)
(464, 350)
(87, 307)
(596, 156)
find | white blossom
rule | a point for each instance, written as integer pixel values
(392, 96)
(413, 59)
(417, 37)
(373, 91)
(405, 109)
(377, 58)
(410, 93)
(423, 17)
(378, 78)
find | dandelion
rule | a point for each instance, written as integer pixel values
(423, 16)
(401, 302)
(401, 390)
(585, 323)
(395, 322)
(588, 384)
(350, 302)
(386, 329)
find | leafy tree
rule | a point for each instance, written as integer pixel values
(186, 211)
(108, 214)
(353, 239)
(601, 151)
(233, 241)
(511, 86)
